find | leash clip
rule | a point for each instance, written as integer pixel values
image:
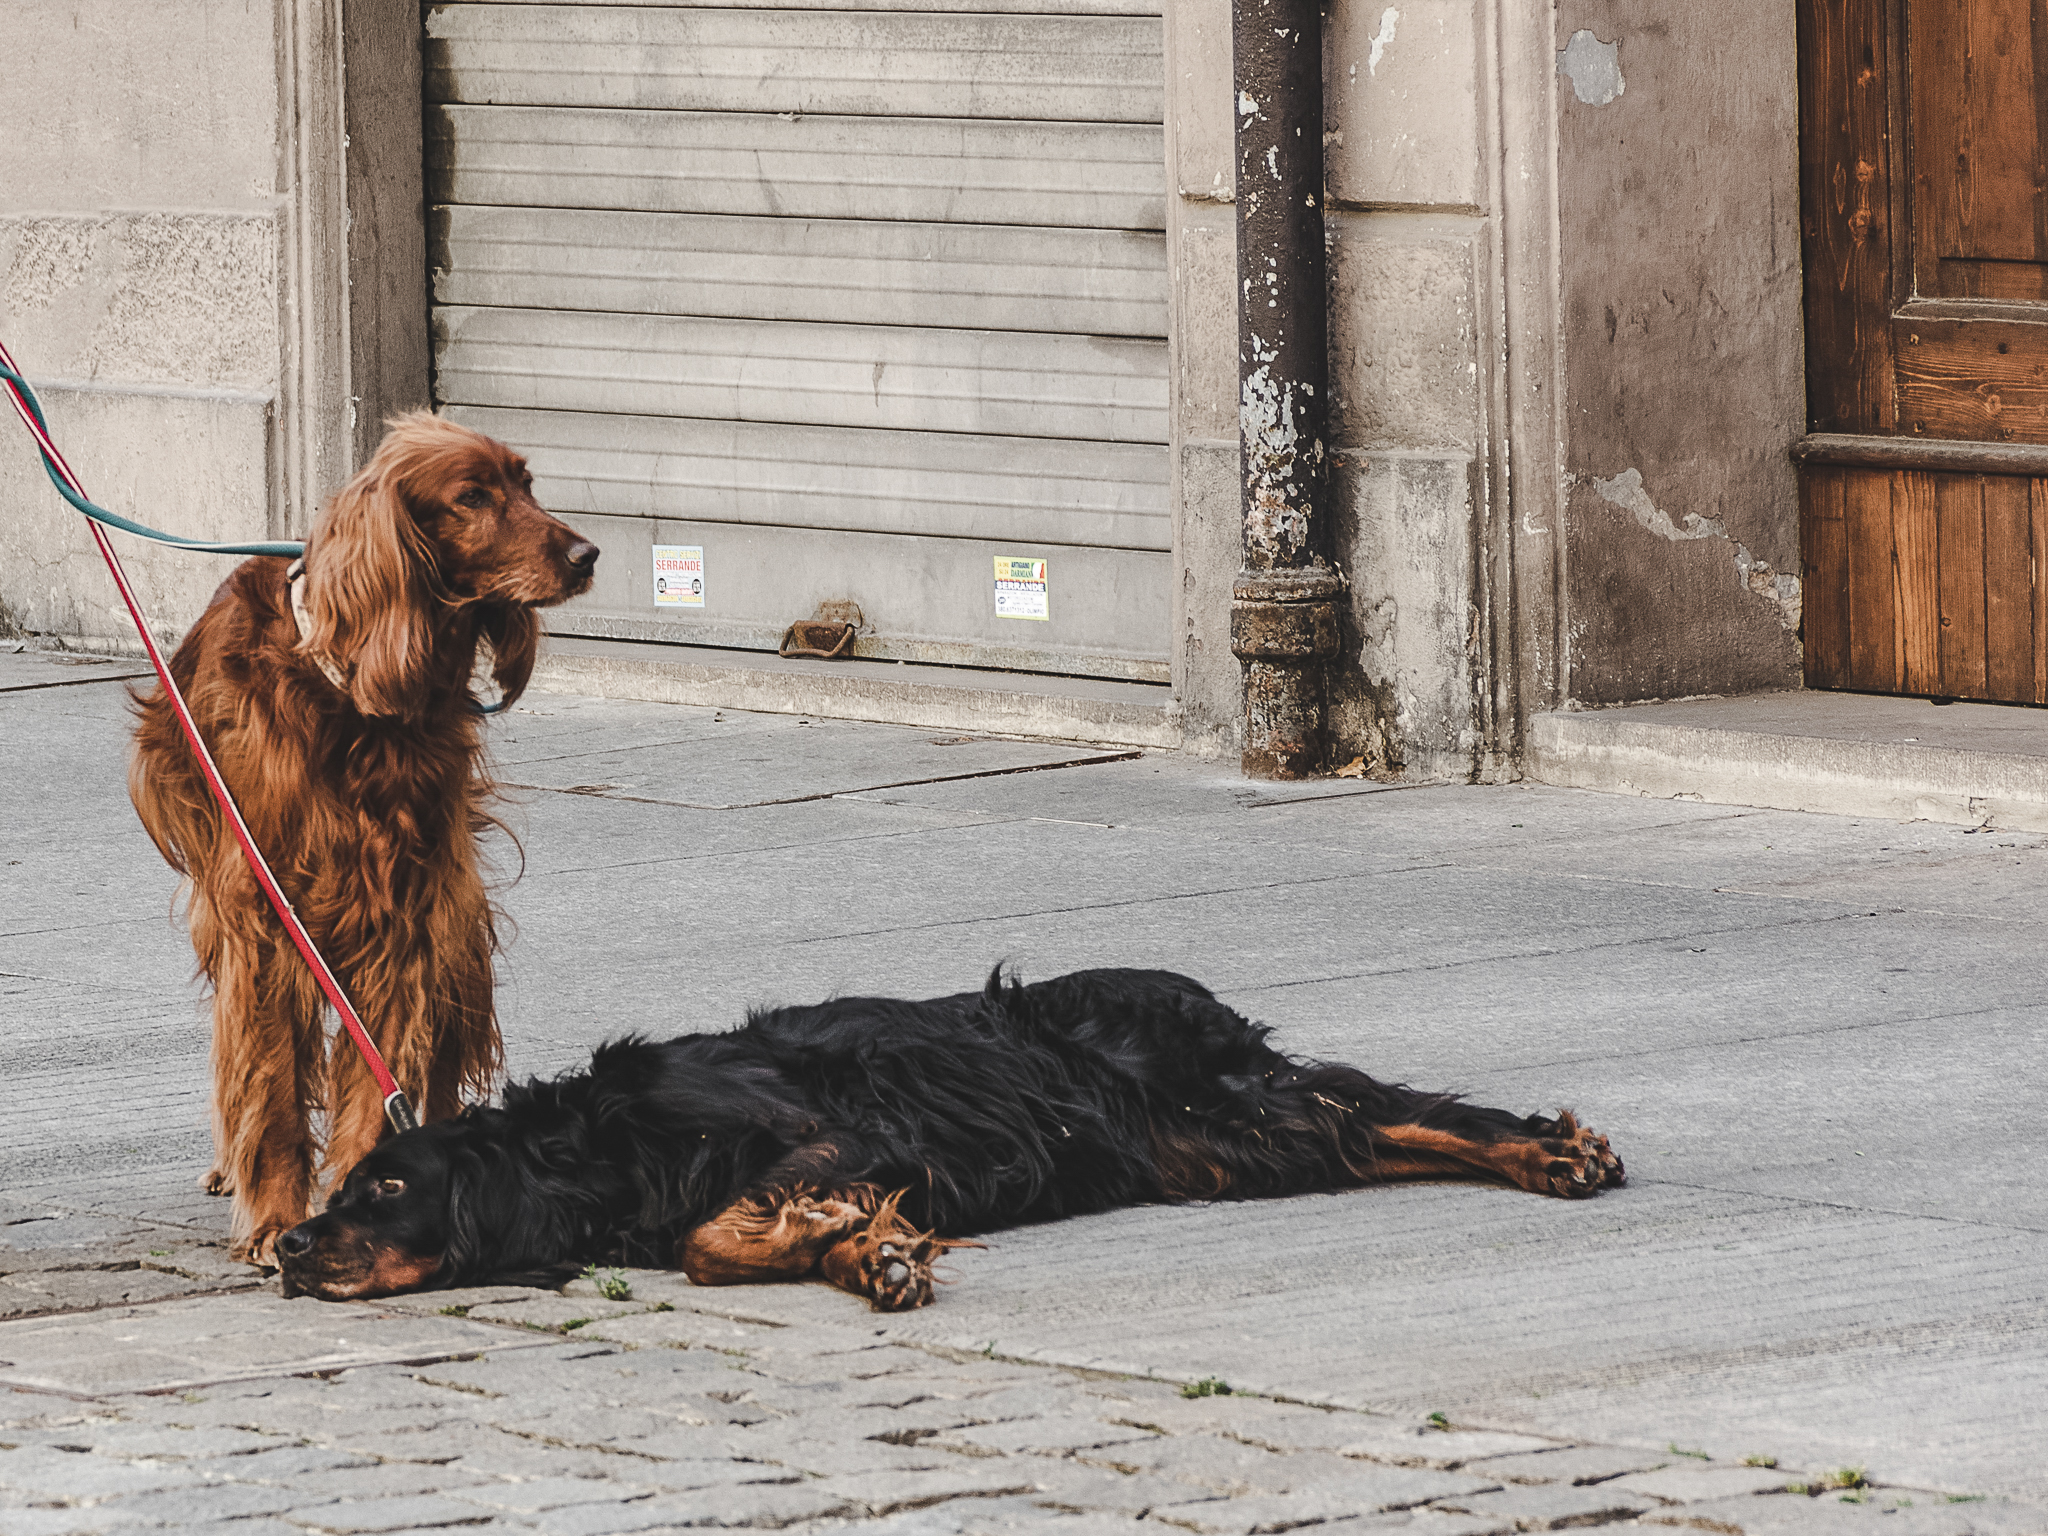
(398, 1110)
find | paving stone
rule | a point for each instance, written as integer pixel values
(821, 1448)
(1291, 1427)
(1884, 1515)
(1208, 1460)
(1073, 1485)
(1287, 1426)
(882, 1493)
(31, 1293)
(375, 1517)
(388, 1479)
(506, 1455)
(1690, 1484)
(456, 1303)
(199, 1261)
(1062, 1432)
(79, 1477)
(260, 1525)
(63, 1522)
(767, 1504)
(901, 1388)
(719, 1472)
(289, 1463)
(660, 1513)
(562, 1314)
(1412, 1446)
(1023, 1517)
(532, 1495)
(191, 1444)
(603, 1426)
(1580, 1464)
(212, 1501)
(1429, 1522)
(1554, 1507)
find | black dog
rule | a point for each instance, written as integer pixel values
(863, 1137)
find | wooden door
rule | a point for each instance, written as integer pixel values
(1924, 482)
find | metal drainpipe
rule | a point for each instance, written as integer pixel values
(1283, 614)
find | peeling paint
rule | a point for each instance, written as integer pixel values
(1276, 461)
(1756, 576)
(1773, 586)
(1380, 39)
(1626, 491)
(1593, 67)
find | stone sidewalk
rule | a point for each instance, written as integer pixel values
(567, 1414)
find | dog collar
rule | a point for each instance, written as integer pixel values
(295, 583)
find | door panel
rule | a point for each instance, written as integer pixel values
(1923, 582)
(1976, 146)
(1924, 170)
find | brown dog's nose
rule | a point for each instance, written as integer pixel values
(295, 1243)
(583, 557)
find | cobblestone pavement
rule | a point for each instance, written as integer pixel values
(567, 1414)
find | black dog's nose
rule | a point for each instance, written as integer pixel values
(295, 1243)
(583, 557)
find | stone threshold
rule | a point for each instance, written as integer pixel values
(1845, 754)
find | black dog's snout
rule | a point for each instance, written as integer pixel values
(296, 1243)
(583, 557)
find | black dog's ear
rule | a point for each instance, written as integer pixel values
(465, 1238)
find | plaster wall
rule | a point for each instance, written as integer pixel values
(1678, 206)
(175, 262)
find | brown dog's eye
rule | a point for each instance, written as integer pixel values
(391, 1186)
(473, 496)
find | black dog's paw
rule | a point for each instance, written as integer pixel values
(890, 1265)
(1578, 1161)
(888, 1261)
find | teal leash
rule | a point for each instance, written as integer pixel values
(99, 514)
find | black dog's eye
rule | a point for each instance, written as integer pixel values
(391, 1186)
(473, 496)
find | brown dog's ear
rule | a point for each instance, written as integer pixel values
(514, 633)
(367, 594)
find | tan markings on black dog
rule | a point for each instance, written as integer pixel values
(771, 1239)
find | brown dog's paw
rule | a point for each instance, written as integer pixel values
(215, 1182)
(888, 1261)
(259, 1248)
(1577, 1162)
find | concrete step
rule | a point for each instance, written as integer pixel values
(1847, 754)
(895, 693)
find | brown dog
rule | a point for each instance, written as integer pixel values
(338, 707)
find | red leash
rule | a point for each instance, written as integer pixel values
(397, 1108)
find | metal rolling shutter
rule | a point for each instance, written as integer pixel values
(853, 299)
